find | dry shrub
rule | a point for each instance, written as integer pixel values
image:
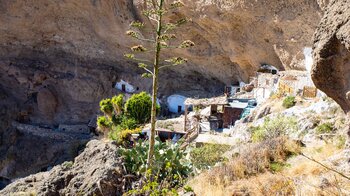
(276, 185)
(306, 167)
(254, 160)
(264, 184)
(326, 184)
(243, 174)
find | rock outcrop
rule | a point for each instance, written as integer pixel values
(96, 171)
(331, 70)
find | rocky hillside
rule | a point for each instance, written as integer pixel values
(59, 58)
(104, 177)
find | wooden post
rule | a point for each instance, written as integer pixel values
(185, 120)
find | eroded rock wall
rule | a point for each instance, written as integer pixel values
(331, 70)
(66, 55)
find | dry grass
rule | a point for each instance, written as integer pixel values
(312, 179)
(253, 161)
(250, 173)
(302, 166)
(263, 184)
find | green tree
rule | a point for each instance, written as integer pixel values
(159, 40)
(138, 107)
(114, 118)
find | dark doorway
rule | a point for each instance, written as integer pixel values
(123, 87)
(179, 109)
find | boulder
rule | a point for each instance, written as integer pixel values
(96, 171)
(331, 52)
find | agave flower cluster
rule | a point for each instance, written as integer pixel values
(139, 48)
(186, 44)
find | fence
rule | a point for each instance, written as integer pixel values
(309, 92)
(284, 88)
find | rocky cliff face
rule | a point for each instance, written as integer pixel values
(331, 71)
(62, 57)
(59, 58)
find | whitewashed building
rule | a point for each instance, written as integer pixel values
(125, 87)
(235, 88)
(176, 103)
(267, 83)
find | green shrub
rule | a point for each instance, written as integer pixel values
(258, 134)
(67, 164)
(152, 188)
(170, 165)
(103, 123)
(122, 137)
(106, 106)
(278, 166)
(139, 107)
(273, 128)
(325, 128)
(115, 118)
(188, 189)
(122, 128)
(127, 123)
(208, 155)
(118, 103)
(340, 141)
(289, 102)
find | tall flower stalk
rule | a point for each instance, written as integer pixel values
(156, 12)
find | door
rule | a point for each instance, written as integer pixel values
(123, 87)
(179, 109)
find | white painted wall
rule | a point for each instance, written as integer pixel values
(128, 87)
(174, 101)
(241, 84)
(261, 94)
(234, 89)
(308, 58)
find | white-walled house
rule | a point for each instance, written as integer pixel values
(235, 88)
(267, 83)
(176, 103)
(125, 87)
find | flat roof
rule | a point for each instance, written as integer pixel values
(238, 104)
(207, 101)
